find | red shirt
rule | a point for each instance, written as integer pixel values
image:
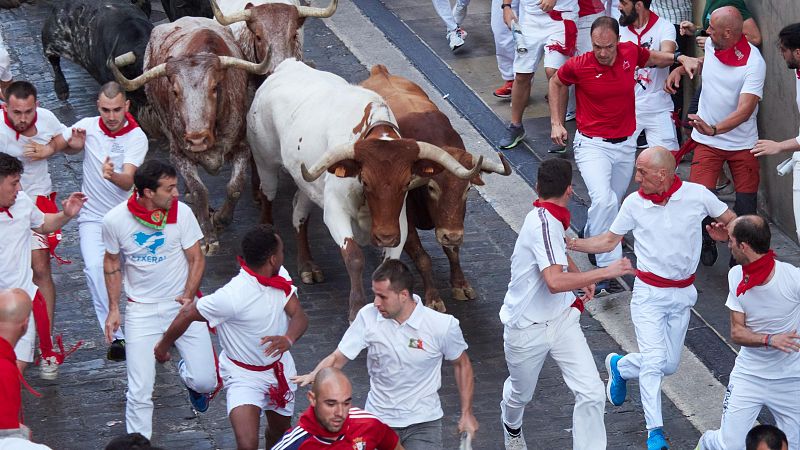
(361, 431)
(10, 397)
(604, 95)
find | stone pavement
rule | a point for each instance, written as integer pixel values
(84, 407)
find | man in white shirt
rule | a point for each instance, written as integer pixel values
(405, 344)
(653, 104)
(665, 216)
(541, 315)
(18, 216)
(258, 318)
(789, 38)
(764, 300)
(157, 239)
(452, 18)
(504, 48)
(5, 69)
(725, 126)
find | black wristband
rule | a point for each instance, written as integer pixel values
(505, 5)
(675, 58)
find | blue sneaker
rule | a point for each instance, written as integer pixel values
(199, 401)
(656, 440)
(616, 389)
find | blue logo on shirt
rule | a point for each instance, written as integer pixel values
(150, 242)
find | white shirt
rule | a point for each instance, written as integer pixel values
(243, 311)
(668, 238)
(650, 94)
(533, 7)
(15, 266)
(540, 245)
(404, 361)
(36, 177)
(772, 308)
(130, 148)
(155, 268)
(722, 86)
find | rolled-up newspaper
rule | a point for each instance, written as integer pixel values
(466, 441)
(785, 167)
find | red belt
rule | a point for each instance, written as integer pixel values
(42, 322)
(279, 395)
(577, 304)
(657, 281)
(569, 46)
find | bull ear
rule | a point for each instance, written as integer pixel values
(248, 5)
(426, 168)
(345, 168)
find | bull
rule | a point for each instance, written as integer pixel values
(310, 122)
(195, 79)
(442, 203)
(175, 9)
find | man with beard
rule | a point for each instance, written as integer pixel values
(764, 300)
(330, 422)
(653, 105)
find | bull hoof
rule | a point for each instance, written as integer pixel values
(221, 221)
(436, 305)
(211, 248)
(464, 293)
(318, 276)
(307, 277)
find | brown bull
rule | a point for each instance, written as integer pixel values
(441, 204)
(196, 81)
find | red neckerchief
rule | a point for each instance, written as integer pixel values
(157, 218)
(7, 211)
(570, 44)
(658, 198)
(650, 23)
(308, 422)
(798, 73)
(275, 281)
(129, 125)
(756, 272)
(735, 56)
(559, 212)
(11, 125)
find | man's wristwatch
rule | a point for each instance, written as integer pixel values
(714, 128)
(676, 56)
(505, 5)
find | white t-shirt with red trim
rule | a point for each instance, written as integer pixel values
(650, 94)
(540, 245)
(15, 266)
(36, 177)
(154, 267)
(129, 148)
(243, 311)
(722, 86)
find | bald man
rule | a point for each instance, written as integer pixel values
(15, 308)
(665, 216)
(725, 124)
(332, 423)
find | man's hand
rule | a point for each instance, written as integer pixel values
(766, 147)
(691, 65)
(468, 423)
(161, 353)
(547, 5)
(588, 292)
(509, 17)
(688, 28)
(112, 324)
(78, 138)
(303, 380)
(673, 82)
(700, 125)
(37, 152)
(108, 168)
(277, 345)
(717, 231)
(184, 300)
(620, 267)
(787, 342)
(72, 205)
(559, 135)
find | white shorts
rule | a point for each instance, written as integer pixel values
(27, 343)
(538, 32)
(247, 387)
(659, 127)
(39, 241)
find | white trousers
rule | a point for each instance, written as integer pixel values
(660, 317)
(145, 323)
(796, 191)
(561, 338)
(745, 396)
(503, 41)
(445, 11)
(606, 169)
(660, 129)
(93, 251)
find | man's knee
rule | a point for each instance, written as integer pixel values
(40, 263)
(523, 78)
(593, 395)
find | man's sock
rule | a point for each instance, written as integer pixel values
(514, 432)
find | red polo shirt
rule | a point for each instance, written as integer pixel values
(10, 397)
(604, 95)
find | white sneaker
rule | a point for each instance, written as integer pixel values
(48, 368)
(459, 12)
(513, 442)
(569, 116)
(455, 38)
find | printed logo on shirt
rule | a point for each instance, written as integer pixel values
(359, 444)
(415, 343)
(626, 65)
(150, 243)
(648, 45)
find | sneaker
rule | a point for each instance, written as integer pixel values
(557, 150)
(513, 442)
(607, 287)
(459, 12)
(569, 116)
(656, 440)
(48, 368)
(199, 401)
(116, 351)
(514, 135)
(708, 253)
(455, 38)
(504, 91)
(617, 387)
(641, 141)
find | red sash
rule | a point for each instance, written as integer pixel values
(42, 321)
(687, 147)
(129, 126)
(570, 35)
(578, 304)
(47, 205)
(657, 281)
(5, 210)
(280, 395)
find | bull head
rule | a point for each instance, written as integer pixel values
(243, 16)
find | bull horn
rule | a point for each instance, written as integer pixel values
(132, 85)
(239, 16)
(251, 67)
(330, 158)
(493, 167)
(436, 154)
(310, 11)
